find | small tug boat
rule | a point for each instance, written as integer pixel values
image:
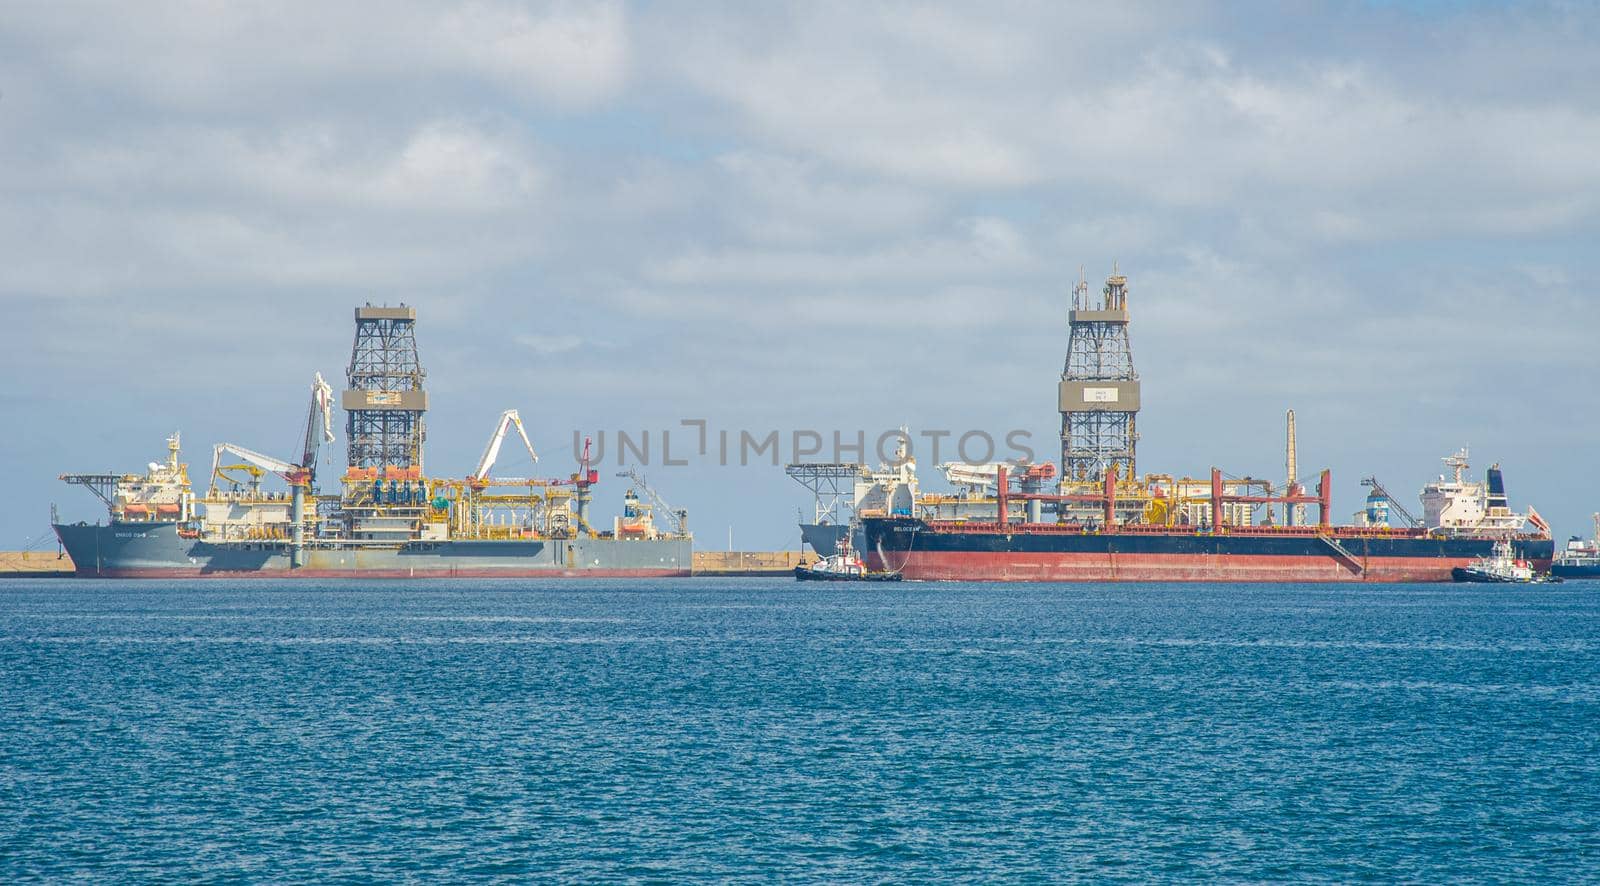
(1501, 567)
(843, 566)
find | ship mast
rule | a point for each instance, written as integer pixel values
(1293, 514)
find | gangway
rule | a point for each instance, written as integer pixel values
(1355, 562)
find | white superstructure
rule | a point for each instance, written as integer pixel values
(163, 492)
(892, 489)
(1453, 504)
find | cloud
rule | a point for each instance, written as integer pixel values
(764, 211)
(550, 344)
(187, 56)
(574, 54)
(446, 165)
(980, 248)
(186, 206)
(1175, 120)
(785, 200)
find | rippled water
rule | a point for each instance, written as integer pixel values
(752, 728)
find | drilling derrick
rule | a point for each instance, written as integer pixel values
(385, 401)
(1099, 393)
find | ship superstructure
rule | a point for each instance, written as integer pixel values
(387, 517)
(1458, 506)
(161, 494)
(842, 492)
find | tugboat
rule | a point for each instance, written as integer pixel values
(843, 566)
(1501, 567)
(1581, 559)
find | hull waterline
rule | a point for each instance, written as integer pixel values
(921, 552)
(157, 550)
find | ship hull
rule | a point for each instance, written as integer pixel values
(156, 550)
(920, 552)
(1573, 570)
(1468, 575)
(824, 538)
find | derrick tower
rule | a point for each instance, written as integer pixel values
(385, 401)
(1099, 392)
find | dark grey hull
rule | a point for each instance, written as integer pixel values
(1575, 570)
(156, 550)
(824, 537)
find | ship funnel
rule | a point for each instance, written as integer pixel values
(1497, 489)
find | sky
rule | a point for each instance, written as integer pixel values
(827, 216)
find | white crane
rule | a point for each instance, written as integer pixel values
(264, 462)
(319, 430)
(508, 420)
(319, 427)
(978, 479)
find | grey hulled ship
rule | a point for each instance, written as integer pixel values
(388, 518)
(1581, 558)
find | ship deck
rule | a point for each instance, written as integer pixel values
(1311, 531)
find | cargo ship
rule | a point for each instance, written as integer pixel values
(1100, 521)
(388, 519)
(1198, 537)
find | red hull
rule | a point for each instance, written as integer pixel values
(1104, 567)
(389, 573)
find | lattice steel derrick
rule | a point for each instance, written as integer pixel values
(1099, 392)
(385, 402)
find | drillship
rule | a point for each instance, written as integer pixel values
(389, 518)
(1102, 522)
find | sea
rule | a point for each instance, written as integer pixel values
(763, 730)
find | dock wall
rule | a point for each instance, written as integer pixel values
(750, 562)
(34, 564)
